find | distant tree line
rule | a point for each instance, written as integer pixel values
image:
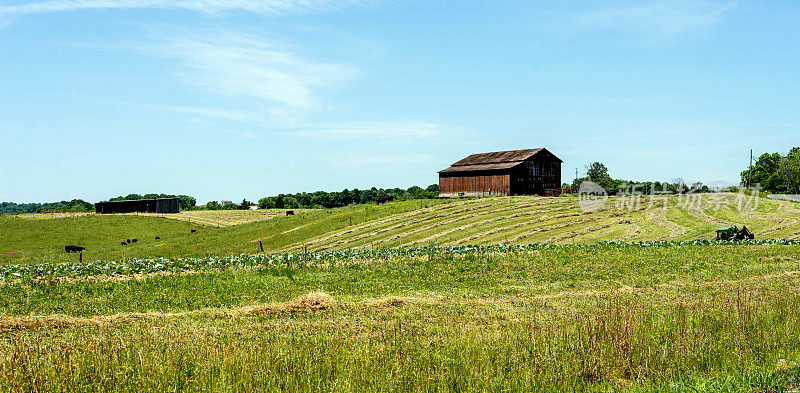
(323, 199)
(598, 173)
(214, 205)
(185, 202)
(775, 173)
(75, 205)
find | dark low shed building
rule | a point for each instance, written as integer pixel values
(530, 171)
(161, 205)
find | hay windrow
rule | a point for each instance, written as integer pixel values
(407, 219)
(659, 216)
(787, 207)
(632, 231)
(310, 302)
(518, 225)
(373, 223)
(704, 217)
(473, 211)
(474, 224)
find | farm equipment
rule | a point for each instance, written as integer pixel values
(734, 233)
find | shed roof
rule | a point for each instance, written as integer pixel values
(497, 160)
(140, 200)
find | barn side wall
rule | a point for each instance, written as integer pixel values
(166, 205)
(474, 184)
(535, 176)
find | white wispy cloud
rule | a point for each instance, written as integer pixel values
(391, 130)
(657, 20)
(375, 161)
(206, 112)
(253, 68)
(205, 6)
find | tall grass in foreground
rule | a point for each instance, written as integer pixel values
(728, 341)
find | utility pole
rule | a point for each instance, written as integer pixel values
(750, 172)
(574, 183)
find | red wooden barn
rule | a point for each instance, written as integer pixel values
(515, 172)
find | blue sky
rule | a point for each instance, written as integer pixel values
(243, 99)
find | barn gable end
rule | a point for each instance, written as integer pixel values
(513, 172)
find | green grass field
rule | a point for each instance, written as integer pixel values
(515, 220)
(665, 317)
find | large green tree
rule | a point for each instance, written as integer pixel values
(789, 170)
(765, 166)
(775, 173)
(597, 172)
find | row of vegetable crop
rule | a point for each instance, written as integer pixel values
(315, 259)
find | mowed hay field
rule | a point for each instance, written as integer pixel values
(224, 218)
(510, 220)
(337, 304)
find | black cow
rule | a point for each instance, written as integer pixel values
(134, 240)
(158, 238)
(194, 230)
(128, 241)
(74, 248)
(124, 244)
(290, 212)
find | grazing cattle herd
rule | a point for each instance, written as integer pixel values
(80, 249)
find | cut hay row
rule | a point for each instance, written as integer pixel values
(592, 217)
(408, 219)
(311, 302)
(472, 212)
(632, 231)
(497, 230)
(584, 231)
(461, 218)
(474, 224)
(373, 223)
(494, 220)
(537, 231)
(702, 216)
(787, 207)
(782, 223)
(659, 217)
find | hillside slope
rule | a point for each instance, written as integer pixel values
(512, 220)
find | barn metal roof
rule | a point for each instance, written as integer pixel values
(497, 160)
(481, 167)
(139, 200)
(497, 156)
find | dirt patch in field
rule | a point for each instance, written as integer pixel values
(310, 302)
